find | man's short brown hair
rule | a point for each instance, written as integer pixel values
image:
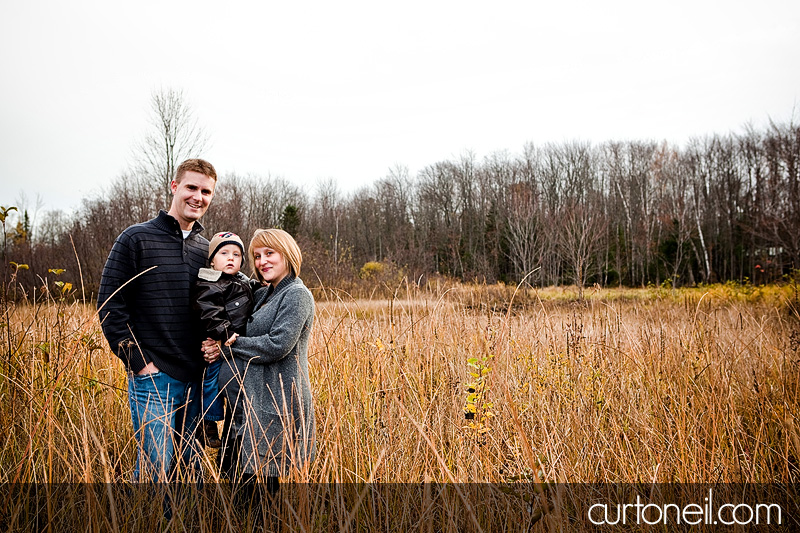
(195, 165)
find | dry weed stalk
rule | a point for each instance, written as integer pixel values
(642, 386)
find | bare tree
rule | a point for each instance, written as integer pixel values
(326, 224)
(578, 230)
(173, 137)
(782, 149)
(525, 233)
(696, 160)
(437, 217)
(245, 203)
(630, 185)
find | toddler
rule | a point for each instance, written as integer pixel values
(222, 298)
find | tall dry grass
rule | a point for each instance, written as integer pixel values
(626, 386)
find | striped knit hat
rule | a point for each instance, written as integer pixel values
(221, 239)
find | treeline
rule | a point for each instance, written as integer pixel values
(724, 207)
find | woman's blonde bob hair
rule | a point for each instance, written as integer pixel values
(281, 242)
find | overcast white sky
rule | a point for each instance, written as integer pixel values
(346, 90)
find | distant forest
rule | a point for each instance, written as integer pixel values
(723, 207)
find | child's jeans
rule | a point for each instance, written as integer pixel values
(212, 400)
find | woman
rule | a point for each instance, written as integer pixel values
(270, 425)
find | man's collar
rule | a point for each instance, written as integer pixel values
(171, 224)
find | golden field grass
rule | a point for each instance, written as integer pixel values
(625, 386)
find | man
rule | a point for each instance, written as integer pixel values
(145, 312)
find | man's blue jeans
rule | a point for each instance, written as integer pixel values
(165, 414)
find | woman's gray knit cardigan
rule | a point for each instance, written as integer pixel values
(274, 413)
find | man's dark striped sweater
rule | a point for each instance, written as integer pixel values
(150, 318)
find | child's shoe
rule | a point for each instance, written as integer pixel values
(209, 434)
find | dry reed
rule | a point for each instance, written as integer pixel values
(446, 388)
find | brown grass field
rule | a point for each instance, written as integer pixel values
(625, 386)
